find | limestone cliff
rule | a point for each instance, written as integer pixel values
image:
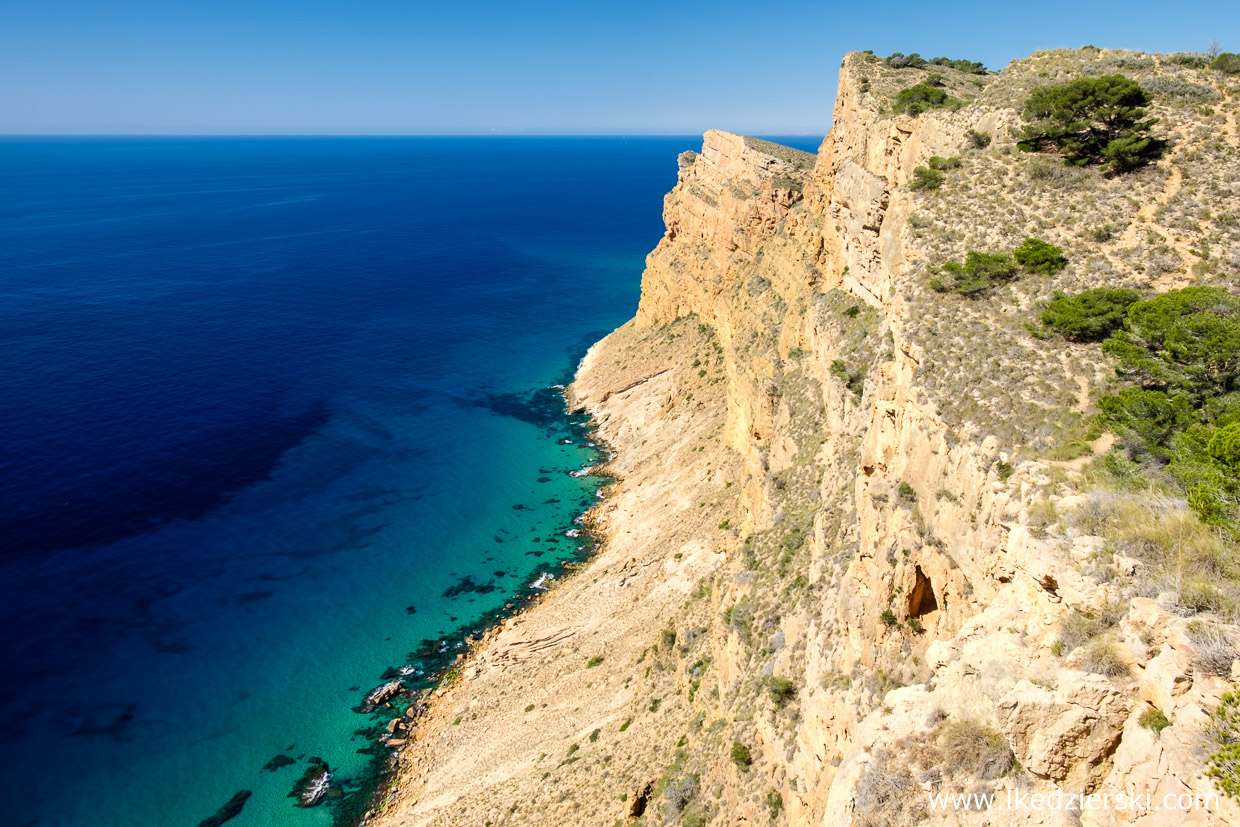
(848, 560)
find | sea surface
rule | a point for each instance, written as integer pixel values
(277, 425)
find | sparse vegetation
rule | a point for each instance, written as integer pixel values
(1103, 657)
(854, 379)
(678, 795)
(1214, 651)
(976, 749)
(977, 140)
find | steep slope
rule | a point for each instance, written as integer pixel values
(856, 539)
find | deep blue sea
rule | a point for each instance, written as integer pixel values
(275, 419)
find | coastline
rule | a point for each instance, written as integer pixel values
(548, 699)
(414, 729)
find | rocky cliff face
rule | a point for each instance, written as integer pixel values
(847, 565)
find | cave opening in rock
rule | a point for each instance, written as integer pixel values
(921, 600)
(638, 808)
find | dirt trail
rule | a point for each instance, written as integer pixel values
(1144, 220)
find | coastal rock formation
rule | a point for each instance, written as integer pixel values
(850, 563)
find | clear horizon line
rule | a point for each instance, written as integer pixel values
(489, 134)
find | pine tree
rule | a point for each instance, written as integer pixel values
(1092, 121)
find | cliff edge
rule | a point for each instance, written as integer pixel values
(866, 546)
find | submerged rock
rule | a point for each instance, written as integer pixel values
(229, 811)
(466, 584)
(279, 761)
(312, 785)
(382, 695)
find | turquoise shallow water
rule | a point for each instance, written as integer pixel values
(276, 414)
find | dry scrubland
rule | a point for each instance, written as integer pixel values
(871, 539)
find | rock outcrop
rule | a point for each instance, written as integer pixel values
(844, 561)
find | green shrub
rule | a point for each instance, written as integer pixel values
(1227, 63)
(971, 67)
(626, 724)
(1185, 340)
(889, 617)
(922, 97)
(854, 379)
(781, 689)
(1224, 446)
(926, 179)
(1152, 416)
(906, 492)
(1224, 734)
(1038, 256)
(1180, 352)
(1005, 470)
(899, 60)
(740, 756)
(977, 140)
(1154, 720)
(979, 273)
(774, 804)
(1092, 121)
(594, 661)
(1091, 315)
(1189, 59)
(940, 163)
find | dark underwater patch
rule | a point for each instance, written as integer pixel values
(281, 760)
(466, 584)
(229, 811)
(543, 408)
(108, 725)
(63, 508)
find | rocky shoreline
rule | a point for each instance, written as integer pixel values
(410, 732)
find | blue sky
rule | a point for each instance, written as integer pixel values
(534, 66)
